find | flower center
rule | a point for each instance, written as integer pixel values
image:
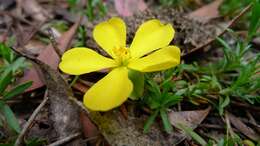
(122, 55)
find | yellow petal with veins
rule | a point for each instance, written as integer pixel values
(109, 92)
(79, 61)
(162, 59)
(151, 36)
(110, 35)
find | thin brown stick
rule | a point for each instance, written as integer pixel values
(65, 140)
(19, 141)
(231, 23)
(246, 105)
(54, 43)
(79, 103)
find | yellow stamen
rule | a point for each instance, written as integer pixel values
(122, 55)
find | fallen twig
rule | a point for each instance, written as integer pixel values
(19, 141)
(65, 140)
(231, 23)
(79, 103)
(54, 43)
(245, 105)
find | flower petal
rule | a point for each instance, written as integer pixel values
(110, 34)
(110, 92)
(150, 36)
(78, 61)
(160, 60)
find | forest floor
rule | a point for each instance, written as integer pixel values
(211, 98)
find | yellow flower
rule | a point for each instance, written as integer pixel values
(148, 52)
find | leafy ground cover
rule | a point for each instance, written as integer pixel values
(210, 98)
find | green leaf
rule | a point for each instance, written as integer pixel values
(166, 123)
(150, 121)
(137, 79)
(221, 142)
(35, 142)
(10, 118)
(223, 104)
(72, 2)
(171, 99)
(6, 52)
(254, 20)
(102, 8)
(226, 50)
(226, 102)
(17, 90)
(7, 144)
(193, 134)
(2, 103)
(154, 88)
(153, 103)
(18, 64)
(5, 79)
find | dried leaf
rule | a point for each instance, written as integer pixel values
(207, 12)
(189, 119)
(34, 9)
(64, 113)
(129, 7)
(89, 129)
(243, 128)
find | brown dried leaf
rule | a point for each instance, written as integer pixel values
(34, 47)
(207, 12)
(89, 129)
(243, 128)
(187, 118)
(34, 9)
(256, 42)
(129, 7)
(64, 113)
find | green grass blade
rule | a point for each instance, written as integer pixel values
(150, 121)
(17, 90)
(10, 118)
(193, 134)
(166, 123)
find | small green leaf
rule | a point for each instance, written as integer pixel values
(223, 104)
(18, 64)
(5, 79)
(226, 102)
(102, 8)
(154, 88)
(254, 20)
(137, 79)
(10, 118)
(6, 52)
(153, 103)
(221, 142)
(166, 123)
(226, 49)
(17, 90)
(150, 121)
(35, 142)
(2, 103)
(171, 100)
(7, 144)
(193, 134)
